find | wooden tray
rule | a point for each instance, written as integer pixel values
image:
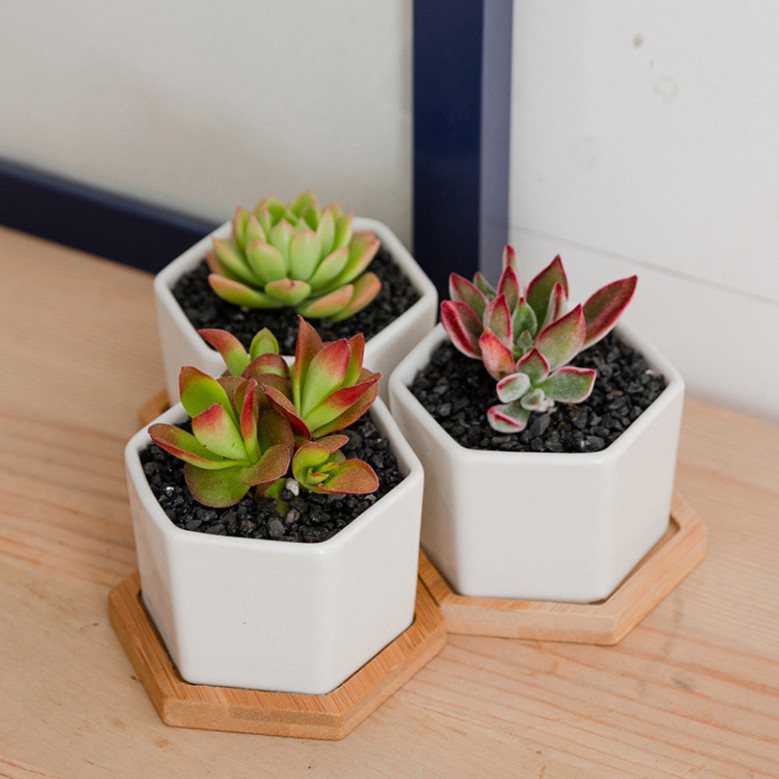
(606, 622)
(330, 716)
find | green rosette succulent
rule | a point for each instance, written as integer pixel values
(296, 255)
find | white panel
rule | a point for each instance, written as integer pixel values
(648, 129)
(201, 105)
(723, 342)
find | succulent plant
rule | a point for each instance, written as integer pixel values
(327, 389)
(295, 255)
(526, 341)
(320, 466)
(251, 424)
(234, 445)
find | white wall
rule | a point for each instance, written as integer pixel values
(645, 140)
(200, 105)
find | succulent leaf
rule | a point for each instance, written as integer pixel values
(266, 261)
(534, 365)
(264, 342)
(463, 290)
(199, 391)
(329, 268)
(329, 304)
(561, 341)
(289, 292)
(230, 257)
(215, 429)
(271, 466)
(215, 488)
(540, 288)
(364, 290)
(463, 326)
(497, 357)
(232, 351)
(343, 407)
(508, 418)
(509, 287)
(304, 254)
(325, 374)
(186, 447)
(239, 294)
(569, 384)
(513, 387)
(497, 318)
(604, 307)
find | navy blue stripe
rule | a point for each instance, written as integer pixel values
(116, 227)
(462, 77)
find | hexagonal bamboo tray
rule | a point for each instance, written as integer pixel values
(680, 549)
(329, 716)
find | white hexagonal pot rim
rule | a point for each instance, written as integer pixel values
(419, 357)
(167, 277)
(407, 461)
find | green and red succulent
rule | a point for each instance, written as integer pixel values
(254, 425)
(526, 339)
(296, 255)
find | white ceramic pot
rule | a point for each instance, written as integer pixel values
(181, 345)
(275, 615)
(542, 526)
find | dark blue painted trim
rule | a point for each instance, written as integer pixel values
(108, 225)
(462, 79)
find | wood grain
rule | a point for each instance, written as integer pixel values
(692, 690)
(681, 548)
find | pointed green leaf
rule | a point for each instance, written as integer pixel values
(483, 285)
(264, 342)
(186, 447)
(254, 231)
(497, 318)
(302, 202)
(364, 290)
(232, 351)
(266, 261)
(524, 318)
(351, 477)
(240, 295)
(325, 374)
(308, 344)
(215, 428)
(329, 268)
(343, 230)
(304, 254)
(199, 391)
(239, 226)
(326, 231)
(344, 406)
(281, 236)
(233, 259)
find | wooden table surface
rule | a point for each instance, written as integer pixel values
(694, 689)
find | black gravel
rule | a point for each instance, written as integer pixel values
(457, 391)
(205, 309)
(310, 517)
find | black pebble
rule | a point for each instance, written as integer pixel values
(623, 389)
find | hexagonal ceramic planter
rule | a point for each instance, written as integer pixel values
(542, 526)
(274, 615)
(181, 345)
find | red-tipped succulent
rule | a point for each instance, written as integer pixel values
(327, 389)
(295, 255)
(526, 339)
(249, 426)
(234, 445)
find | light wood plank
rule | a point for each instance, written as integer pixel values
(693, 689)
